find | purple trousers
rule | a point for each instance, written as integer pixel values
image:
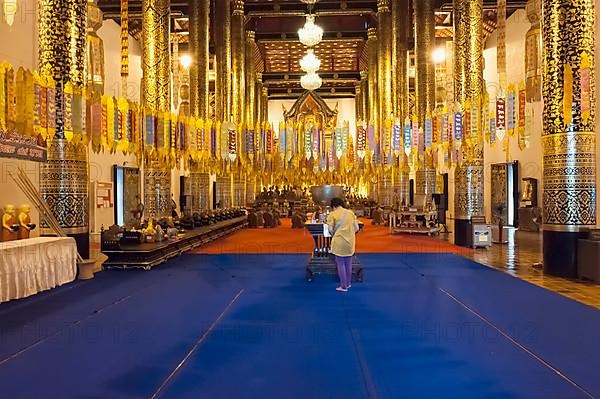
(344, 268)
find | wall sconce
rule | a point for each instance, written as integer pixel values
(9, 9)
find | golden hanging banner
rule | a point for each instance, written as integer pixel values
(124, 39)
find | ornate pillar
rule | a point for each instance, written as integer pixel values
(425, 87)
(468, 85)
(373, 117)
(224, 199)
(64, 178)
(384, 57)
(364, 98)
(156, 54)
(238, 51)
(250, 98)
(250, 189)
(239, 190)
(568, 137)
(400, 27)
(156, 95)
(222, 37)
(199, 50)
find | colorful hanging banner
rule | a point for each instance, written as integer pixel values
(510, 110)
(397, 137)
(500, 118)
(361, 141)
(428, 134)
(458, 126)
(407, 136)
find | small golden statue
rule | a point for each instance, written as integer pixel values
(10, 224)
(25, 225)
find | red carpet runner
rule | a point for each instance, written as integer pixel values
(285, 240)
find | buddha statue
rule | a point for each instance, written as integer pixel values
(10, 223)
(25, 225)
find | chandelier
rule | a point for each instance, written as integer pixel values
(311, 81)
(310, 34)
(310, 63)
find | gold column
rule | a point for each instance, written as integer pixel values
(156, 54)
(425, 68)
(373, 85)
(62, 47)
(238, 51)
(401, 23)
(199, 50)
(425, 87)
(222, 38)
(568, 136)
(400, 27)
(384, 58)
(156, 94)
(364, 98)
(250, 81)
(468, 85)
(64, 178)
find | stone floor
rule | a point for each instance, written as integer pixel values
(522, 257)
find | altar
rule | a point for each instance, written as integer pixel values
(36, 264)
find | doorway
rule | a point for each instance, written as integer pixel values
(505, 193)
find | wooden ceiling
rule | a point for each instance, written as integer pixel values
(276, 23)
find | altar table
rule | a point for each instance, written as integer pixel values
(36, 264)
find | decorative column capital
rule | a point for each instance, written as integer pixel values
(250, 35)
(259, 76)
(364, 74)
(383, 6)
(238, 7)
(372, 33)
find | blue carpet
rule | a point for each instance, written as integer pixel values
(249, 326)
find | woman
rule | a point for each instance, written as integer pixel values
(343, 227)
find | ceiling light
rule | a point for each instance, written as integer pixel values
(310, 63)
(185, 60)
(311, 34)
(311, 81)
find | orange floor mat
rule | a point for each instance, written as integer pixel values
(284, 239)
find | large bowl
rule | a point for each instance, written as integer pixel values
(324, 194)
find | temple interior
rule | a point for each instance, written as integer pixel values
(299, 198)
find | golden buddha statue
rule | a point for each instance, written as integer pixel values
(10, 226)
(25, 225)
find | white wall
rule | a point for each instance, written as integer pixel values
(530, 159)
(101, 164)
(18, 46)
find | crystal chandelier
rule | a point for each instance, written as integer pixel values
(310, 63)
(311, 81)
(311, 34)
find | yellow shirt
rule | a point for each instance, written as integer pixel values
(342, 224)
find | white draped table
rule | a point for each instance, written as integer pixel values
(36, 264)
